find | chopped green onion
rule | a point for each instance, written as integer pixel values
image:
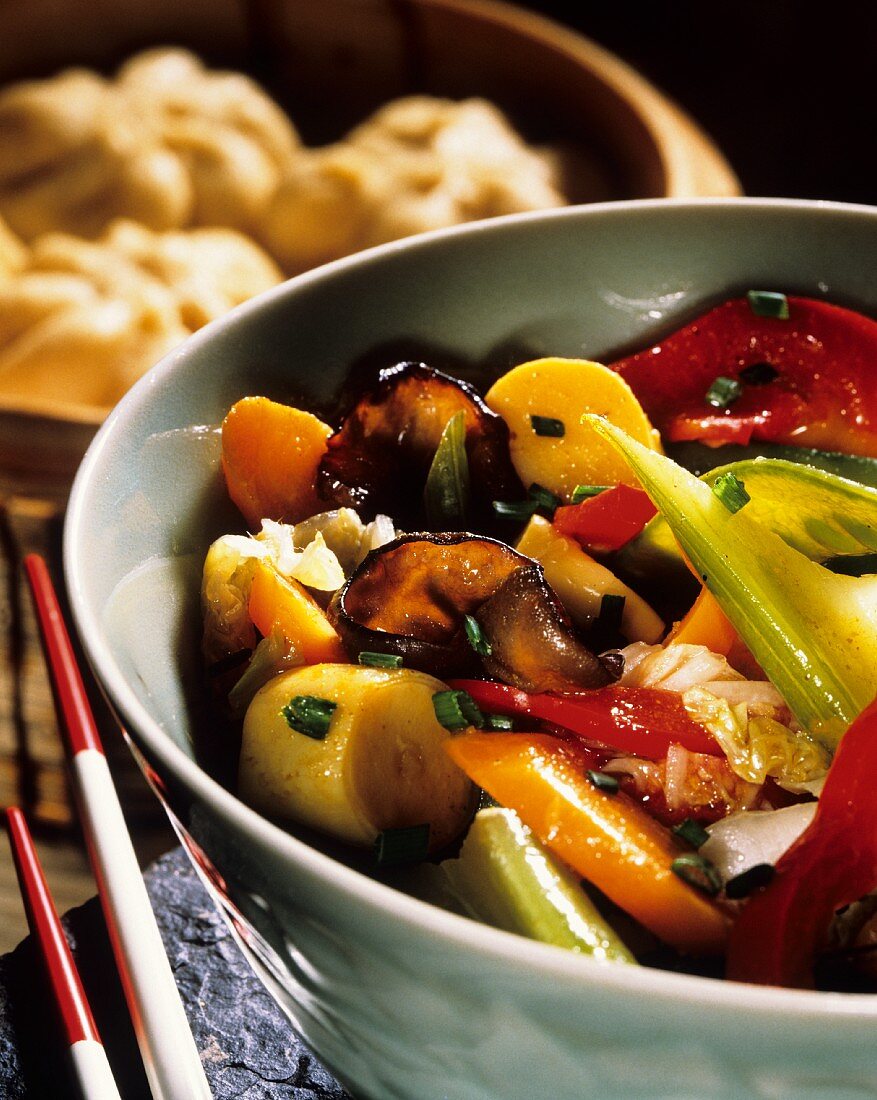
(310, 715)
(759, 374)
(603, 782)
(768, 303)
(515, 509)
(544, 497)
(692, 832)
(548, 425)
(499, 722)
(731, 492)
(611, 612)
(723, 392)
(697, 872)
(456, 710)
(477, 637)
(447, 483)
(742, 885)
(379, 660)
(583, 492)
(407, 845)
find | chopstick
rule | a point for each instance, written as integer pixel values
(170, 1057)
(87, 1052)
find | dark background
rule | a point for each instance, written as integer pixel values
(787, 90)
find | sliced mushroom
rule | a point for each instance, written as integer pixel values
(532, 641)
(378, 459)
(411, 597)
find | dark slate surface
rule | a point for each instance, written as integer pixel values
(247, 1046)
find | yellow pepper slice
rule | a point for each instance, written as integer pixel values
(605, 837)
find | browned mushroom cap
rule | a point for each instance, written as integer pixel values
(411, 597)
(532, 641)
(378, 460)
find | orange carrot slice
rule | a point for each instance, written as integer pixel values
(270, 454)
(705, 624)
(284, 605)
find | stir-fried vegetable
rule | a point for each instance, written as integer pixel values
(270, 454)
(281, 605)
(833, 863)
(531, 641)
(542, 403)
(705, 624)
(816, 512)
(644, 721)
(354, 751)
(378, 460)
(813, 632)
(446, 494)
(605, 837)
(806, 379)
(699, 459)
(411, 597)
(505, 877)
(581, 582)
(608, 521)
(610, 742)
(417, 597)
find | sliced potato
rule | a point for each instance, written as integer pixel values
(581, 583)
(380, 766)
(563, 390)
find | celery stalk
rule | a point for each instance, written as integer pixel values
(505, 877)
(822, 515)
(813, 632)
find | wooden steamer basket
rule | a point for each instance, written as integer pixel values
(330, 64)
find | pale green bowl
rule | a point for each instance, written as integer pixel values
(400, 999)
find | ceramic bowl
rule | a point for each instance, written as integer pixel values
(402, 1000)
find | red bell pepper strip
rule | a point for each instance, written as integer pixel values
(816, 386)
(642, 721)
(834, 862)
(607, 521)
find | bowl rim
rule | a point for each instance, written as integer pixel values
(690, 991)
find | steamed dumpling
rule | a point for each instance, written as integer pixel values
(82, 320)
(167, 143)
(419, 163)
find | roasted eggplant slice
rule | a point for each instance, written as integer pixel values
(532, 641)
(378, 460)
(411, 597)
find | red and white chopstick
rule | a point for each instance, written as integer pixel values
(170, 1057)
(86, 1050)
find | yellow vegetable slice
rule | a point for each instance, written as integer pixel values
(581, 583)
(563, 390)
(380, 766)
